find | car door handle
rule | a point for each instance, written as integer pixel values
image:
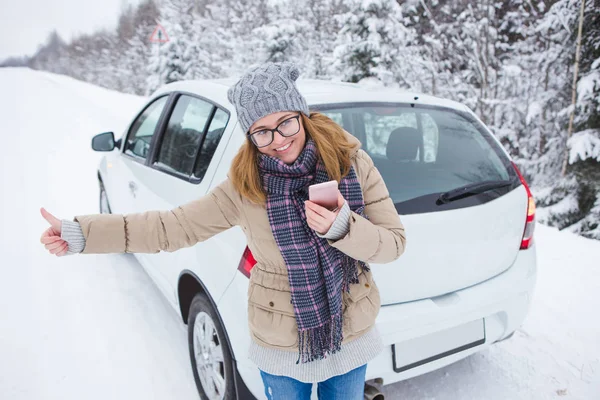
(132, 187)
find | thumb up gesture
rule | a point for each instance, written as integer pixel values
(51, 236)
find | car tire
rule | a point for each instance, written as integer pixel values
(103, 205)
(210, 355)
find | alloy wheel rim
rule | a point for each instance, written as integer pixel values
(209, 357)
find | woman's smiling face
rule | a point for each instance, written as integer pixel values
(287, 149)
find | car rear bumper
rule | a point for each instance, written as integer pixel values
(502, 301)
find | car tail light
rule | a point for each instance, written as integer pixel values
(527, 239)
(247, 262)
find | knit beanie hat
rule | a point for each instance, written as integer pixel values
(264, 90)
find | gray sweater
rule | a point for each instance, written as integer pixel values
(279, 362)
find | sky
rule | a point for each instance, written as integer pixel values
(25, 24)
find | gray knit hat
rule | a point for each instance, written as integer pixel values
(264, 90)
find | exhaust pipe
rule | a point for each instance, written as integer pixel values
(372, 392)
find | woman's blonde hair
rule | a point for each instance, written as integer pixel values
(332, 145)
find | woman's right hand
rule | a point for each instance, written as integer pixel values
(51, 236)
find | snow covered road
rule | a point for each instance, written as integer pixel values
(95, 327)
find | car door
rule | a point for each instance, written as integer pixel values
(180, 172)
(134, 155)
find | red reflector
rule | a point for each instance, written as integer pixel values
(525, 244)
(528, 235)
(247, 262)
(527, 239)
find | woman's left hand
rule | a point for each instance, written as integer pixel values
(319, 218)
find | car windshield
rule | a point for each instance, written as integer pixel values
(424, 150)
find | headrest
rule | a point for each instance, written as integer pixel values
(403, 144)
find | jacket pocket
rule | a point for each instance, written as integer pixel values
(361, 289)
(362, 304)
(271, 317)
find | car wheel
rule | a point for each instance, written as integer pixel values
(104, 206)
(209, 352)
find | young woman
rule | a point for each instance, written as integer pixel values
(314, 302)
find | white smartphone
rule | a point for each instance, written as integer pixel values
(324, 194)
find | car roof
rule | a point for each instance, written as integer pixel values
(315, 91)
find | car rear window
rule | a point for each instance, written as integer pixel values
(423, 151)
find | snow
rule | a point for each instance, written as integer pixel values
(96, 327)
(512, 70)
(371, 82)
(584, 145)
(588, 86)
(565, 206)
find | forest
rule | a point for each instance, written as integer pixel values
(515, 63)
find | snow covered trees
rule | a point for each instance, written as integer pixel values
(584, 145)
(172, 61)
(50, 55)
(511, 61)
(139, 49)
(374, 43)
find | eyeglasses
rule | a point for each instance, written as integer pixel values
(288, 127)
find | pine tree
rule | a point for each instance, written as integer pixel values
(584, 145)
(172, 61)
(136, 56)
(244, 17)
(323, 19)
(373, 43)
(304, 32)
(214, 43)
(51, 55)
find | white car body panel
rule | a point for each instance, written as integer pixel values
(470, 244)
(115, 171)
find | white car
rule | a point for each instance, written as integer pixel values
(464, 282)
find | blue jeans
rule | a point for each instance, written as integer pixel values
(349, 386)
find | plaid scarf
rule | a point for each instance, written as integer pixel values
(317, 272)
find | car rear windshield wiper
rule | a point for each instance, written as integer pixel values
(470, 190)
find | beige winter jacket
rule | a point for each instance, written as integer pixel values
(379, 239)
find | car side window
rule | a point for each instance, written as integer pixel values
(210, 143)
(183, 135)
(143, 128)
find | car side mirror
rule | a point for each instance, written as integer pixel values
(104, 142)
